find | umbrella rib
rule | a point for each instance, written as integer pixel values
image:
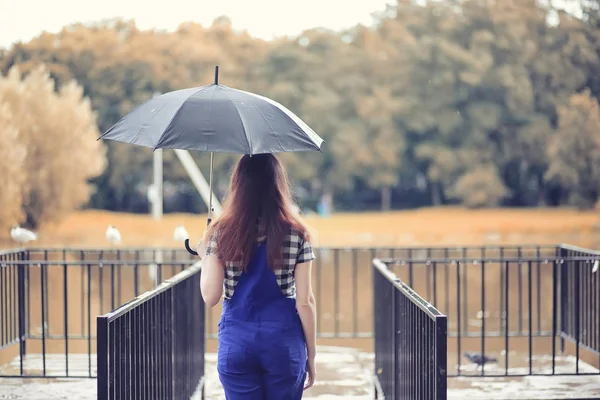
(144, 126)
(175, 116)
(270, 128)
(241, 120)
(287, 113)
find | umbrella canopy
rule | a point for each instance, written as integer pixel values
(215, 118)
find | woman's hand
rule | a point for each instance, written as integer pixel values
(311, 372)
(201, 248)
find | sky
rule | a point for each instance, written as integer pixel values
(22, 20)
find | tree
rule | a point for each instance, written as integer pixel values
(59, 131)
(12, 173)
(574, 152)
(120, 66)
(481, 187)
(433, 100)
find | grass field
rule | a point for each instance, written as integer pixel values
(433, 226)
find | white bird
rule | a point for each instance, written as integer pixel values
(482, 314)
(153, 273)
(180, 234)
(22, 235)
(113, 235)
(595, 268)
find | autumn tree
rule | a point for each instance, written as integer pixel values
(58, 131)
(12, 173)
(451, 101)
(119, 66)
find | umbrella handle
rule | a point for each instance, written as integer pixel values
(189, 249)
(187, 242)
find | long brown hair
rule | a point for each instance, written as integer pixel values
(258, 190)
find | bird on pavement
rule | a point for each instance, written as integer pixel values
(479, 359)
(113, 235)
(22, 235)
(180, 234)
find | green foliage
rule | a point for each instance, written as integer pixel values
(574, 151)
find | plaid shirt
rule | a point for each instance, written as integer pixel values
(296, 250)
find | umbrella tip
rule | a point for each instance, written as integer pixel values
(216, 74)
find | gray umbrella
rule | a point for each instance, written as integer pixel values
(215, 118)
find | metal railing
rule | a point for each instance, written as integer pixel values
(342, 283)
(153, 346)
(508, 303)
(12, 301)
(49, 300)
(507, 314)
(580, 301)
(118, 275)
(410, 341)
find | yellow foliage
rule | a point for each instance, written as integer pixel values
(58, 131)
(12, 174)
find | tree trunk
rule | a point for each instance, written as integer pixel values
(386, 199)
(436, 198)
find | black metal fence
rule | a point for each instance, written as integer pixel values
(116, 276)
(341, 282)
(509, 309)
(410, 341)
(514, 303)
(580, 302)
(12, 300)
(49, 300)
(153, 346)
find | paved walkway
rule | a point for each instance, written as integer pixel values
(528, 387)
(344, 373)
(525, 388)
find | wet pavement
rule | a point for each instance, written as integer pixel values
(525, 388)
(546, 387)
(343, 373)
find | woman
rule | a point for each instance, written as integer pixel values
(260, 253)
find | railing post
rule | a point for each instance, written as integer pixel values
(102, 355)
(375, 331)
(173, 347)
(441, 357)
(395, 347)
(564, 269)
(24, 256)
(577, 333)
(202, 333)
(554, 313)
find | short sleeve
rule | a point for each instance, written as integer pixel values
(305, 252)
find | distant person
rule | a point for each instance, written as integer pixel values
(324, 205)
(259, 252)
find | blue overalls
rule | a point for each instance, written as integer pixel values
(262, 350)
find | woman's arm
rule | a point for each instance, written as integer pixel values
(211, 277)
(306, 305)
